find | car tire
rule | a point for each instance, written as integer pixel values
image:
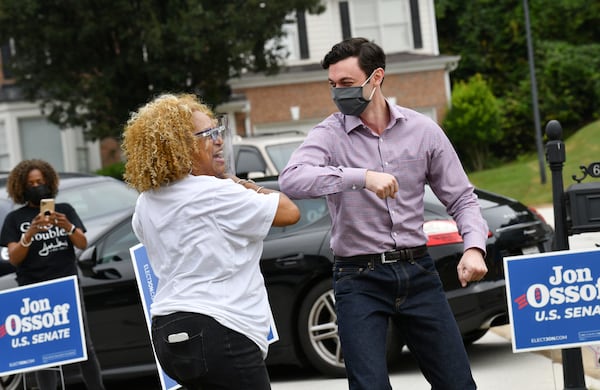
(318, 331)
(11, 382)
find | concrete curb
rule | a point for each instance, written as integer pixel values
(590, 356)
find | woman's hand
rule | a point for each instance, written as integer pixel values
(60, 220)
(40, 223)
(75, 234)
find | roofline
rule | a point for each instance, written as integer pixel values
(396, 64)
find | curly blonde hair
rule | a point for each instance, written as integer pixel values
(158, 141)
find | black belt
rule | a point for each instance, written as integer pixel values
(404, 254)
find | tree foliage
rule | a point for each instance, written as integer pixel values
(490, 37)
(473, 121)
(570, 83)
(91, 63)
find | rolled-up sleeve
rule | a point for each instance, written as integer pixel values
(309, 173)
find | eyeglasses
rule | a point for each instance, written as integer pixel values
(214, 133)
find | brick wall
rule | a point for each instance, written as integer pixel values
(272, 104)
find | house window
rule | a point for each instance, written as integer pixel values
(293, 43)
(302, 35)
(387, 22)
(41, 139)
(6, 52)
(345, 19)
(82, 154)
(416, 24)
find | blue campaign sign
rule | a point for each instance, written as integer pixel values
(554, 299)
(41, 326)
(147, 282)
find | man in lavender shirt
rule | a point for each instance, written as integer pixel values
(372, 160)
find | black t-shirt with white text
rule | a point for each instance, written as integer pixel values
(51, 254)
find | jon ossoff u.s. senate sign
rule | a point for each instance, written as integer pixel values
(554, 299)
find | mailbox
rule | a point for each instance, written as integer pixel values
(583, 207)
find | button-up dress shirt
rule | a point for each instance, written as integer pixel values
(333, 161)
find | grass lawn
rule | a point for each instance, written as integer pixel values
(522, 180)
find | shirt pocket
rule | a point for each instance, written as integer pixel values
(409, 171)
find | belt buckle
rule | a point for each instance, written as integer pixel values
(385, 261)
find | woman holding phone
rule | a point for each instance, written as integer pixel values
(41, 245)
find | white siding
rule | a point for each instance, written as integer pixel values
(77, 155)
(389, 17)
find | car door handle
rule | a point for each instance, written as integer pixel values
(289, 261)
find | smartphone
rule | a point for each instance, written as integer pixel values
(47, 206)
(177, 337)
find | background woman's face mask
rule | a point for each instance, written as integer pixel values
(35, 194)
(350, 100)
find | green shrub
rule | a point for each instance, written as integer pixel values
(115, 170)
(473, 122)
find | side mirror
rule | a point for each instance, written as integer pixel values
(87, 262)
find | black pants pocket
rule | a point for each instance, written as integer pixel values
(183, 358)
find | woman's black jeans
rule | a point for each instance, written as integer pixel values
(200, 353)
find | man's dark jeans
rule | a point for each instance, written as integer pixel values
(204, 354)
(410, 293)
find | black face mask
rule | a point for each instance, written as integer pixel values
(35, 194)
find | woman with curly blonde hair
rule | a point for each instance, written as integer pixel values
(203, 231)
(159, 143)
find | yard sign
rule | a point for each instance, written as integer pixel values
(554, 299)
(41, 326)
(147, 282)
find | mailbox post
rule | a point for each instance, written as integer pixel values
(572, 361)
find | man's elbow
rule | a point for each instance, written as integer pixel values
(287, 183)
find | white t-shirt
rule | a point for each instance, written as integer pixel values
(204, 239)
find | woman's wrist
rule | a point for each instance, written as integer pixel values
(244, 181)
(251, 185)
(23, 241)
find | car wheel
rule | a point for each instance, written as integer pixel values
(473, 336)
(318, 331)
(11, 382)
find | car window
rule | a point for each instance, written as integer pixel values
(98, 199)
(116, 244)
(311, 210)
(249, 159)
(281, 153)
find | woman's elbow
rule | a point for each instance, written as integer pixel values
(294, 215)
(287, 215)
